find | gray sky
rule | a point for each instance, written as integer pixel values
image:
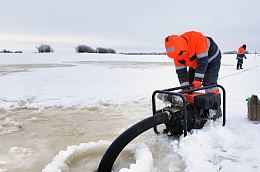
(126, 25)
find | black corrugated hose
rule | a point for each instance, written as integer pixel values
(121, 141)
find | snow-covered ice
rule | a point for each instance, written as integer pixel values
(114, 83)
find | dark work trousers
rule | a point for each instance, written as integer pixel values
(239, 63)
(211, 74)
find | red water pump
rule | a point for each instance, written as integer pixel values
(189, 108)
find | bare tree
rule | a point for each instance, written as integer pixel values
(44, 48)
(105, 50)
(84, 49)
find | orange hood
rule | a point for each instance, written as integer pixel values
(176, 47)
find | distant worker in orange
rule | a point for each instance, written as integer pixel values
(198, 52)
(240, 56)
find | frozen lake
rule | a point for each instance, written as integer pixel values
(62, 111)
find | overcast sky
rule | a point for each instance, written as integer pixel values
(126, 25)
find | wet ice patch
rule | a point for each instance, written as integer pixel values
(8, 121)
(1, 128)
(20, 153)
(17, 157)
(2, 163)
(144, 159)
(9, 125)
(62, 161)
(35, 119)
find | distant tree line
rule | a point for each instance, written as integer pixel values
(105, 50)
(44, 48)
(140, 53)
(79, 49)
(84, 49)
(234, 52)
(230, 52)
(6, 51)
(88, 49)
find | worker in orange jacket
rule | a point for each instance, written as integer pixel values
(240, 56)
(198, 52)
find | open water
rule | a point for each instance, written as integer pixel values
(32, 137)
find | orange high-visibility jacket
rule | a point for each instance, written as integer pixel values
(201, 51)
(241, 54)
(241, 50)
(197, 47)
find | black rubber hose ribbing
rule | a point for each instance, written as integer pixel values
(121, 141)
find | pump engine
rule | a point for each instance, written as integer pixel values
(199, 107)
(192, 106)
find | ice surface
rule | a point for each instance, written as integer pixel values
(70, 84)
